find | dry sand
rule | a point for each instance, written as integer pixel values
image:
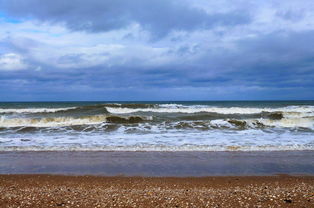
(92, 191)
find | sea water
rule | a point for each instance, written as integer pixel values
(157, 126)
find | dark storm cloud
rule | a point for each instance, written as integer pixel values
(268, 63)
(251, 54)
(159, 17)
(273, 60)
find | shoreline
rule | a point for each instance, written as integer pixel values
(157, 179)
(99, 191)
(159, 164)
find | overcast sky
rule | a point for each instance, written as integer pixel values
(156, 50)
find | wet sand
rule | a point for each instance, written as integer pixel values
(95, 191)
(178, 164)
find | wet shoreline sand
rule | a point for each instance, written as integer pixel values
(159, 164)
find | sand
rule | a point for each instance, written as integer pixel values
(97, 191)
(160, 164)
(113, 179)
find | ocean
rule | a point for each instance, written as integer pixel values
(157, 126)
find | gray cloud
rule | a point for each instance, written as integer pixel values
(159, 17)
(278, 60)
(268, 55)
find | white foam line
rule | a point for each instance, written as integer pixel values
(220, 110)
(34, 110)
(159, 148)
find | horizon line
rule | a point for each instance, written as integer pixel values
(269, 100)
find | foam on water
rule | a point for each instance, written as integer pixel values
(248, 140)
(157, 127)
(33, 110)
(221, 110)
(50, 122)
(290, 123)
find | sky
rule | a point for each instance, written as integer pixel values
(111, 50)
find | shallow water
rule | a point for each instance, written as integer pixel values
(179, 164)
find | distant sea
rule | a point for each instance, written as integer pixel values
(157, 126)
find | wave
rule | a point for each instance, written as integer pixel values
(307, 123)
(304, 124)
(154, 114)
(115, 108)
(293, 124)
(72, 128)
(33, 110)
(87, 122)
(300, 110)
(161, 148)
(69, 110)
(130, 105)
(51, 122)
(213, 116)
(98, 108)
(118, 119)
(160, 127)
(68, 121)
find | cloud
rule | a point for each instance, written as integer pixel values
(159, 17)
(123, 50)
(12, 62)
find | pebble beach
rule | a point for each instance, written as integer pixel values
(97, 191)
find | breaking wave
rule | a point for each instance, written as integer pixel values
(67, 121)
(244, 117)
(155, 126)
(33, 110)
(301, 110)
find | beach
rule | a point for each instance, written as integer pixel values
(158, 154)
(95, 191)
(158, 103)
(157, 179)
(158, 163)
